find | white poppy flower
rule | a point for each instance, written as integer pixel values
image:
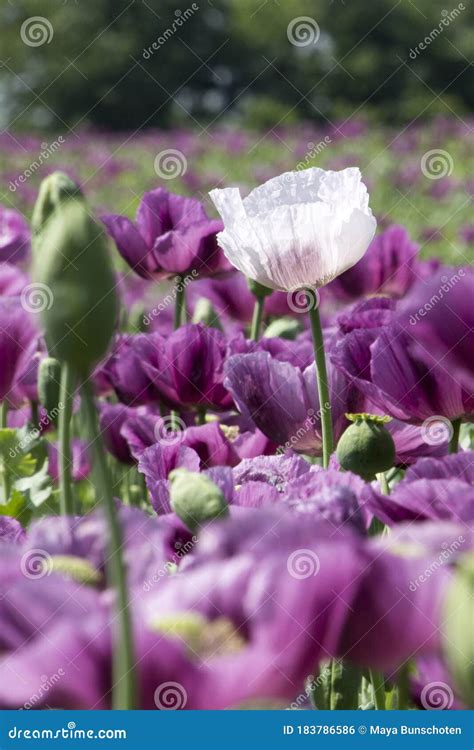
(300, 229)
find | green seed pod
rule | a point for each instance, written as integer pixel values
(366, 448)
(54, 190)
(457, 631)
(285, 328)
(49, 380)
(205, 313)
(195, 498)
(73, 267)
(258, 290)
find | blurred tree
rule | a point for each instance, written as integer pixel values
(128, 64)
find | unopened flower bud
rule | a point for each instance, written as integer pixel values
(54, 190)
(74, 267)
(49, 380)
(195, 498)
(366, 448)
(205, 313)
(284, 328)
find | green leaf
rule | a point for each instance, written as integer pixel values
(37, 488)
(16, 507)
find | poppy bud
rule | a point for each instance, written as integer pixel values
(366, 447)
(205, 313)
(458, 642)
(73, 264)
(285, 328)
(195, 498)
(49, 380)
(54, 190)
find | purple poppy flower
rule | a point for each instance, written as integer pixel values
(18, 342)
(388, 267)
(282, 401)
(12, 280)
(14, 236)
(187, 368)
(171, 235)
(112, 419)
(157, 462)
(81, 463)
(431, 489)
(384, 365)
(11, 530)
(438, 318)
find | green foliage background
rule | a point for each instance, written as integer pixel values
(231, 60)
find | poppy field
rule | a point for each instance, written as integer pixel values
(237, 407)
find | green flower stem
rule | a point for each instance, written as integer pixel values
(257, 318)
(3, 415)
(123, 671)
(66, 396)
(403, 686)
(378, 690)
(180, 304)
(454, 442)
(34, 413)
(384, 486)
(201, 415)
(322, 380)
